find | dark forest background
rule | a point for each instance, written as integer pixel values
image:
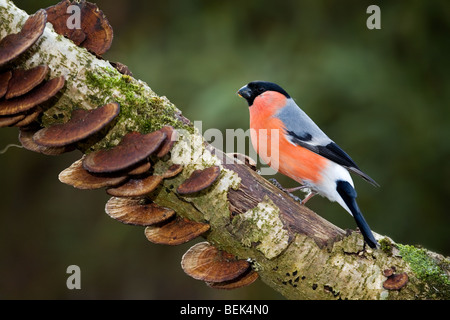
(382, 95)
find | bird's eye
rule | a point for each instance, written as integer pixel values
(260, 90)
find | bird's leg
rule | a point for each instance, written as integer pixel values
(308, 196)
(279, 186)
(289, 190)
(276, 183)
(295, 188)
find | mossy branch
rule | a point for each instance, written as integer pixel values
(294, 250)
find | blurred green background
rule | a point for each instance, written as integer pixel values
(382, 95)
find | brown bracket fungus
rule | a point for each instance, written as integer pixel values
(175, 232)
(140, 168)
(76, 176)
(58, 15)
(171, 137)
(133, 148)
(172, 171)
(33, 98)
(4, 81)
(23, 81)
(137, 211)
(15, 44)
(199, 180)
(246, 279)
(29, 117)
(26, 139)
(123, 69)
(207, 263)
(136, 187)
(396, 281)
(9, 121)
(96, 34)
(82, 124)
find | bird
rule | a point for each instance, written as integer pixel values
(289, 141)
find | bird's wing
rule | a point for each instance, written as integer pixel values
(302, 131)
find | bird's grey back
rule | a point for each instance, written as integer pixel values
(301, 125)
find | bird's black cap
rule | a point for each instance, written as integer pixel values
(250, 91)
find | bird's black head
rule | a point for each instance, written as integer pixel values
(255, 88)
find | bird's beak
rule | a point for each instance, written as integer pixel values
(245, 92)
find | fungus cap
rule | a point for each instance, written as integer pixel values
(23, 81)
(205, 262)
(122, 68)
(172, 171)
(76, 176)
(36, 96)
(140, 168)
(246, 279)
(137, 211)
(396, 281)
(6, 121)
(199, 180)
(15, 44)
(171, 137)
(81, 125)
(26, 139)
(96, 34)
(4, 81)
(29, 117)
(178, 231)
(136, 187)
(133, 148)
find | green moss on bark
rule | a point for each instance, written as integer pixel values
(427, 269)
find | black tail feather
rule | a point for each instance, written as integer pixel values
(348, 194)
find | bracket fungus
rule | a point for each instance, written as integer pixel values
(175, 232)
(141, 168)
(29, 117)
(23, 81)
(76, 176)
(246, 279)
(171, 137)
(133, 148)
(96, 34)
(396, 281)
(136, 187)
(33, 98)
(15, 44)
(199, 180)
(172, 171)
(22, 94)
(26, 139)
(205, 262)
(122, 68)
(81, 125)
(9, 121)
(4, 81)
(137, 211)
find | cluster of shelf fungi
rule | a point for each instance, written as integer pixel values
(125, 171)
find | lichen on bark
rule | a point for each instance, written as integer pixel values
(262, 227)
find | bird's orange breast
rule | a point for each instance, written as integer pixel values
(269, 140)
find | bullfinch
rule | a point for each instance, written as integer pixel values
(301, 150)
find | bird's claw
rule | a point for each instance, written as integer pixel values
(279, 186)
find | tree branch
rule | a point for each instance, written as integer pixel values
(294, 250)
